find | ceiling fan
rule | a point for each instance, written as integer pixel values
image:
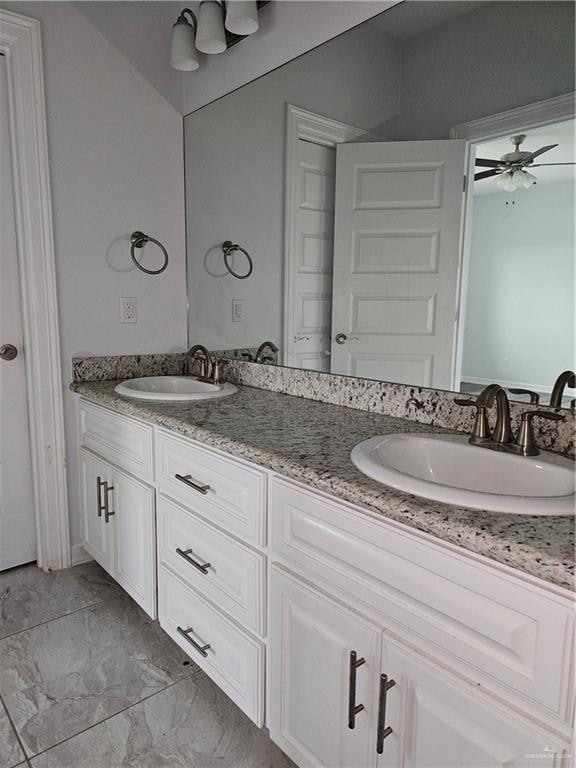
(511, 162)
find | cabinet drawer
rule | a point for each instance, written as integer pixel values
(234, 580)
(509, 634)
(233, 660)
(234, 494)
(122, 441)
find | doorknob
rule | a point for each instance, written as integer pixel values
(340, 338)
(8, 352)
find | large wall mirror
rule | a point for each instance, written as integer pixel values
(340, 176)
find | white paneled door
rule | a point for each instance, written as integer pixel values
(397, 244)
(17, 526)
(308, 337)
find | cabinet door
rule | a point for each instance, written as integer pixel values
(94, 474)
(311, 681)
(131, 506)
(438, 721)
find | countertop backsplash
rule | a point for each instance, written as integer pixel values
(427, 406)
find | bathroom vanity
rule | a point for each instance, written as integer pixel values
(341, 614)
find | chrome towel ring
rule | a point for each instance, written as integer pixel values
(228, 248)
(139, 240)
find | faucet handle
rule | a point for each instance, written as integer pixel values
(534, 396)
(525, 440)
(480, 431)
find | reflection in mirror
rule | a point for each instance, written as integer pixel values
(336, 172)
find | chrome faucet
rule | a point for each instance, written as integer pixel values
(501, 438)
(259, 356)
(207, 364)
(566, 379)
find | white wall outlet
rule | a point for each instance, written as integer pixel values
(128, 309)
(238, 311)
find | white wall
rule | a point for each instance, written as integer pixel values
(115, 152)
(288, 28)
(520, 310)
(235, 155)
(500, 56)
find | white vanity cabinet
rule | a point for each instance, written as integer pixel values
(118, 509)
(438, 658)
(465, 665)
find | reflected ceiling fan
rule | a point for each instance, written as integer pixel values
(511, 168)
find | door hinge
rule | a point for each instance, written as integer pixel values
(464, 183)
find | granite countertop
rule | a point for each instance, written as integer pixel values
(311, 442)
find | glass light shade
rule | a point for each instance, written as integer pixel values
(210, 35)
(241, 17)
(506, 182)
(183, 54)
(529, 179)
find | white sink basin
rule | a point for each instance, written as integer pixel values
(173, 388)
(447, 468)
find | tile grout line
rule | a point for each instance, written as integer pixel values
(18, 739)
(62, 616)
(121, 711)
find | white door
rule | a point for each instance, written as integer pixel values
(308, 334)
(439, 722)
(311, 681)
(131, 507)
(17, 523)
(397, 244)
(94, 484)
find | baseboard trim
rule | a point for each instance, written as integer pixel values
(79, 555)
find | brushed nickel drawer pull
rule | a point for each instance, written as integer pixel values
(107, 513)
(186, 633)
(185, 553)
(383, 731)
(353, 708)
(99, 485)
(191, 484)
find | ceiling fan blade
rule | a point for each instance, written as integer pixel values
(486, 174)
(487, 163)
(544, 165)
(540, 151)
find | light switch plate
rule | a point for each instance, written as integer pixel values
(238, 310)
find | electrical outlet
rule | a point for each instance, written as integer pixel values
(128, 309)
(238, 311)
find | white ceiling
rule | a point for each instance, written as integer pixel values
(412, 17)
(562, 134)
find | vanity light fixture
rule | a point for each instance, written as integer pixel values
(217, 26)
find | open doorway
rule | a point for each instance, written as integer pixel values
(517, 310)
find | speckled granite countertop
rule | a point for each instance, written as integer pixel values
(311, 442)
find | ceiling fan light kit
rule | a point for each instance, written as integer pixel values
(510, 169)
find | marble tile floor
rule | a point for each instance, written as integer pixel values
(87, 680)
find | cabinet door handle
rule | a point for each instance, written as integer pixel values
(353, 708)
(383, 731)
(186, 479)
(107, 511)
(185, 553)
(99, 485)
(186, 633)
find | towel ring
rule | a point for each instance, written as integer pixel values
(229, 247)
(139, 240)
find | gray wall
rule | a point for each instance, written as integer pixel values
(498, 57)
(520, 311)
(115, 154)
(235, 175)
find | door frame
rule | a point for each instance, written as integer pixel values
(479, 131)
(20, 42)
(308, 126)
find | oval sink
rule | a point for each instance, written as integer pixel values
(447, 468)
(173, 388)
